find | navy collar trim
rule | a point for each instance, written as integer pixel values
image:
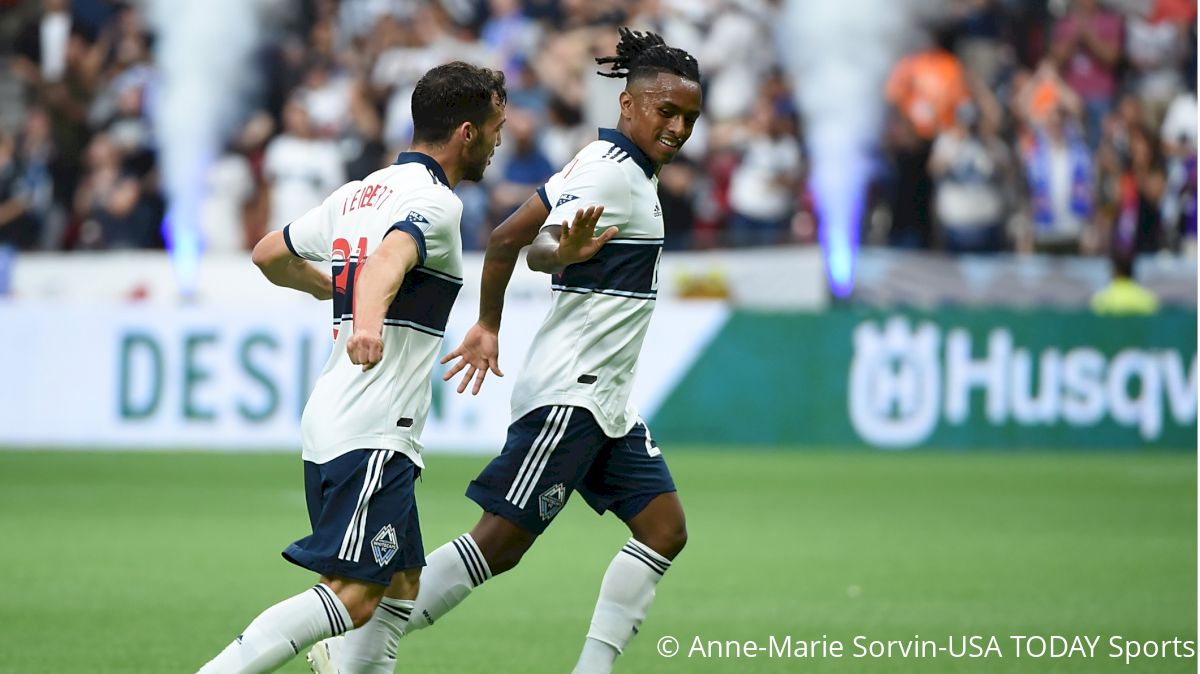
(622, 141)
(427, 161)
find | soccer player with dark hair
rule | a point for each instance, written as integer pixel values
(573, 427)
(362, 425)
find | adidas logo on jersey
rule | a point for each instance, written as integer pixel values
(657, 210)
(565, 198)
(414, 216)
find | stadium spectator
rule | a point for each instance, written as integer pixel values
(300, 168)
(763, 188)
(1041, 93)
(738, 55)
(37, 161)
(1155, 48)
(18, 229)
(678, 187)
(115, 209)
(1142, 184)
(1058, 168)
(1123, 296)
(564, 133)
(969, 166)
(924, 90)
(1087, 48)
(1178, 135)
(525, 170)
(42, 45)
(231, 190)
(979, 25)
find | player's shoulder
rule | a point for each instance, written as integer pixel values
(615, 152)
(599, 161)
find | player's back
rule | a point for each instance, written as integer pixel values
(386, 406)
(586, 351)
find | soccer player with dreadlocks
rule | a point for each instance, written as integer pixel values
(574, 427)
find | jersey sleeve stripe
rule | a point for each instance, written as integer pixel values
(287, 240)
(541, 192)
(410, 228)
(440, 274)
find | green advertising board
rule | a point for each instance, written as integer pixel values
(951, 379)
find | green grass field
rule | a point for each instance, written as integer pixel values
(153, 562)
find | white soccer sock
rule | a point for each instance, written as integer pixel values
(282, 631)
(371, 649)
(625, 594)
(451, 572)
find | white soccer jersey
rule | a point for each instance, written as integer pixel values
(585, 354)
(384, 407)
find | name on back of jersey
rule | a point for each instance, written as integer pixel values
(368, 196)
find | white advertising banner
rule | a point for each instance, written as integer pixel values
(149, 376)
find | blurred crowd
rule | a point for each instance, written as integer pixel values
(1061, 127)
(1023, 125)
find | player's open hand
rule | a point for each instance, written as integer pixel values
(365, 349)
(578, 241)
(479, 353)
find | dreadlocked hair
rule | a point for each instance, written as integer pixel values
(641, 53)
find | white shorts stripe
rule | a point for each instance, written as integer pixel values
(545, 459)
(362, 518)
(352, 540)
(548, 430)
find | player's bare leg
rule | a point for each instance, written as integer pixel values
(659, 534)
(330, 608)
(493, 546)
(502, 543)
(371, 649)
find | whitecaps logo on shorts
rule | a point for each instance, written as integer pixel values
(551, 501)
(384, 545)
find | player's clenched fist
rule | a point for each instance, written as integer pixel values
(365, 349)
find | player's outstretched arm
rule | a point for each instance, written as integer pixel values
(557, 247)
(375, 287)
(277, 263)
(479, 352)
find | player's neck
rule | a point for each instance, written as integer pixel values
(445, 157)
(621, 127)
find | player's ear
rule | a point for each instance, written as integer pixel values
(626, 101)
(466, 132)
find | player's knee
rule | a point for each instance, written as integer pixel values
(667, 539)
(502, 543)
(505, 558)
(679, 540)
(359, 598)
(405, 584)
(361, 609)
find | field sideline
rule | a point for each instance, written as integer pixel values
(152, 562)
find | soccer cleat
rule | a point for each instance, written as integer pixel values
(321, 656)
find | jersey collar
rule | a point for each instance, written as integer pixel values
(427, 161)
(622, 141)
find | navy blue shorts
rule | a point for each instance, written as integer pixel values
(363, 513)
(553, 451)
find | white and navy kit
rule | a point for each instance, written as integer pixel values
(574, 426)
(361, 430)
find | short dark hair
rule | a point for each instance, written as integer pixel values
(451, 94)
(641, 54)
(1123, 261)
